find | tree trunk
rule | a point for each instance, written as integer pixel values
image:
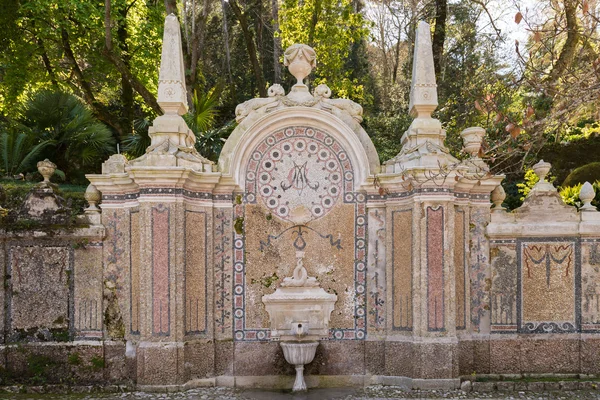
(47, 64)
(568, 51)
(126, 88)
(439, 34)
(197, 46)
(226, 41)
(139, 87)
(250, 47)
(276, 42)
(171, 7)
(313, 22)
(88, 95)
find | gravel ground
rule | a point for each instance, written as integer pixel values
(376, 392)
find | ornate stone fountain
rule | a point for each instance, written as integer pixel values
(299, 312)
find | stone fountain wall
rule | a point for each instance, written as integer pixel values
(165, 289)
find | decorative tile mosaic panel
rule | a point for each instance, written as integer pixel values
(549, 284)
(460, 265)
(223, 272)
(161, 312)
(134, 270)
(504, 288)
(402, 259)
(300, 169)
(196, 258)
(376, 276)
(479, 250)
(435, 268)
(590, 285)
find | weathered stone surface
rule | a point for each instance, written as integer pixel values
(40, 292)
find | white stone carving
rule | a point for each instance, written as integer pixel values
(299, 312)
(423, 91)
(172, 142)
(300, 60)
(299, 301)
(172, 95)
(298, 354)
(587, 194)
(498, 196)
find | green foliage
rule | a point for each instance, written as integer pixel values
(75, 140)
(201, 120)
(333, 27)
(386, 131)
(586, 173)
(570, 195)
(19, 152)
(135, 145)
(530, 180)
(74, 359)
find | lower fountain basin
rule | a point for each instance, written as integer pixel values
(299, 353)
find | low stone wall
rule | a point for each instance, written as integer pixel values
(52, 314)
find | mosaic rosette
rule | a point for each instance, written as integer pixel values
(305, 168)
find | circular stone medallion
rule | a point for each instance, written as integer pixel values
(299, 171)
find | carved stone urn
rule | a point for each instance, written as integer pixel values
(472, 138)
(300, 60)
(299, 312)
(46, 168)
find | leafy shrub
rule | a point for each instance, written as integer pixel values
(586, 173)
(570, 195)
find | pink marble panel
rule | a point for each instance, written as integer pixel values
(435, 269)
(160, 270)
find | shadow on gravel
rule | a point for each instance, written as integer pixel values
(312, 394)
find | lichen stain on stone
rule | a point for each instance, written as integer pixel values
(113, 320)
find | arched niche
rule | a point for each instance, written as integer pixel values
(316, 170)
(351, 135)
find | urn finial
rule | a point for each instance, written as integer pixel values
(300, 60)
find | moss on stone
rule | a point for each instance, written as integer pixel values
(239, 225)
(74, 359)
(97, 363)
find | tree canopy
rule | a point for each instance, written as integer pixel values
(537, 94)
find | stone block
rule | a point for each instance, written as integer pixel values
(484, 386)
(438, 360)
(465, 357)
(54, 363)
(224, 358)
(159, 363)
(39, 292)
(116, 366)
(260, 358)
(505, 386)
(569, 385)
(549, 355)
(199, 360)
(375, 358)
(481, 357)
(535, 386)
(338, 358)
(520, 386)
(551, 386)
(504, 356)
(589, 385)
(399, 359)
(590, 356)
